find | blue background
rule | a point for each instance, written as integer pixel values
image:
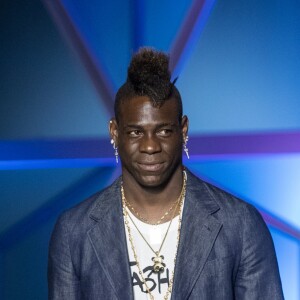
(61, 62)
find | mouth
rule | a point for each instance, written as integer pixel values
(150, 167)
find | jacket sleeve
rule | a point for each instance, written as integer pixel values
(258, 274)
(62, 280)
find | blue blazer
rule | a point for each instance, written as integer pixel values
(225, 250)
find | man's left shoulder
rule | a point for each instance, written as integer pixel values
(228, 204)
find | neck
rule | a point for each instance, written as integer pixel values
(151, 202)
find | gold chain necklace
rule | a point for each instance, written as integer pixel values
(158, 260)
(139, 216)
(159, 264)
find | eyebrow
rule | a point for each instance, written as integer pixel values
(166, 124)
(129, 126)
(142, 127)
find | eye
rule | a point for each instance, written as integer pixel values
(164, 132)
(135, 133)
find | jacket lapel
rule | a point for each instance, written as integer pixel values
(109, 241)
(198, 232)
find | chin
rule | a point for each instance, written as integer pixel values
(152, 180)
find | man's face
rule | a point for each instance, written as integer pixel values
(149, 140)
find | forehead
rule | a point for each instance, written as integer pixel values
(140, 110)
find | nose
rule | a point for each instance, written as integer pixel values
(150, 144)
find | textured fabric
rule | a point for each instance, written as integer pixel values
(225, 250)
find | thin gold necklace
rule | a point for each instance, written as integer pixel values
(158, 260)
(159, 264)
(139, 216)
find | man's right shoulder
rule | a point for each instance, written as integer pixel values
(79, 215)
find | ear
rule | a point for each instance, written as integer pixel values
(184, 127)
(113, 130)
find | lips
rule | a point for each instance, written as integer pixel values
(150, 167)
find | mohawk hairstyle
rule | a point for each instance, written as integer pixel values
(148, 75)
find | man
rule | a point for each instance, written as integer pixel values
(159, 232)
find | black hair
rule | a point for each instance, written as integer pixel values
(148, 75)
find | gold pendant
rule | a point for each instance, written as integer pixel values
(159, 265)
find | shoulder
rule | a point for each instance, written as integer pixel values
(228, 206)
(242, 226)
(79, 216)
